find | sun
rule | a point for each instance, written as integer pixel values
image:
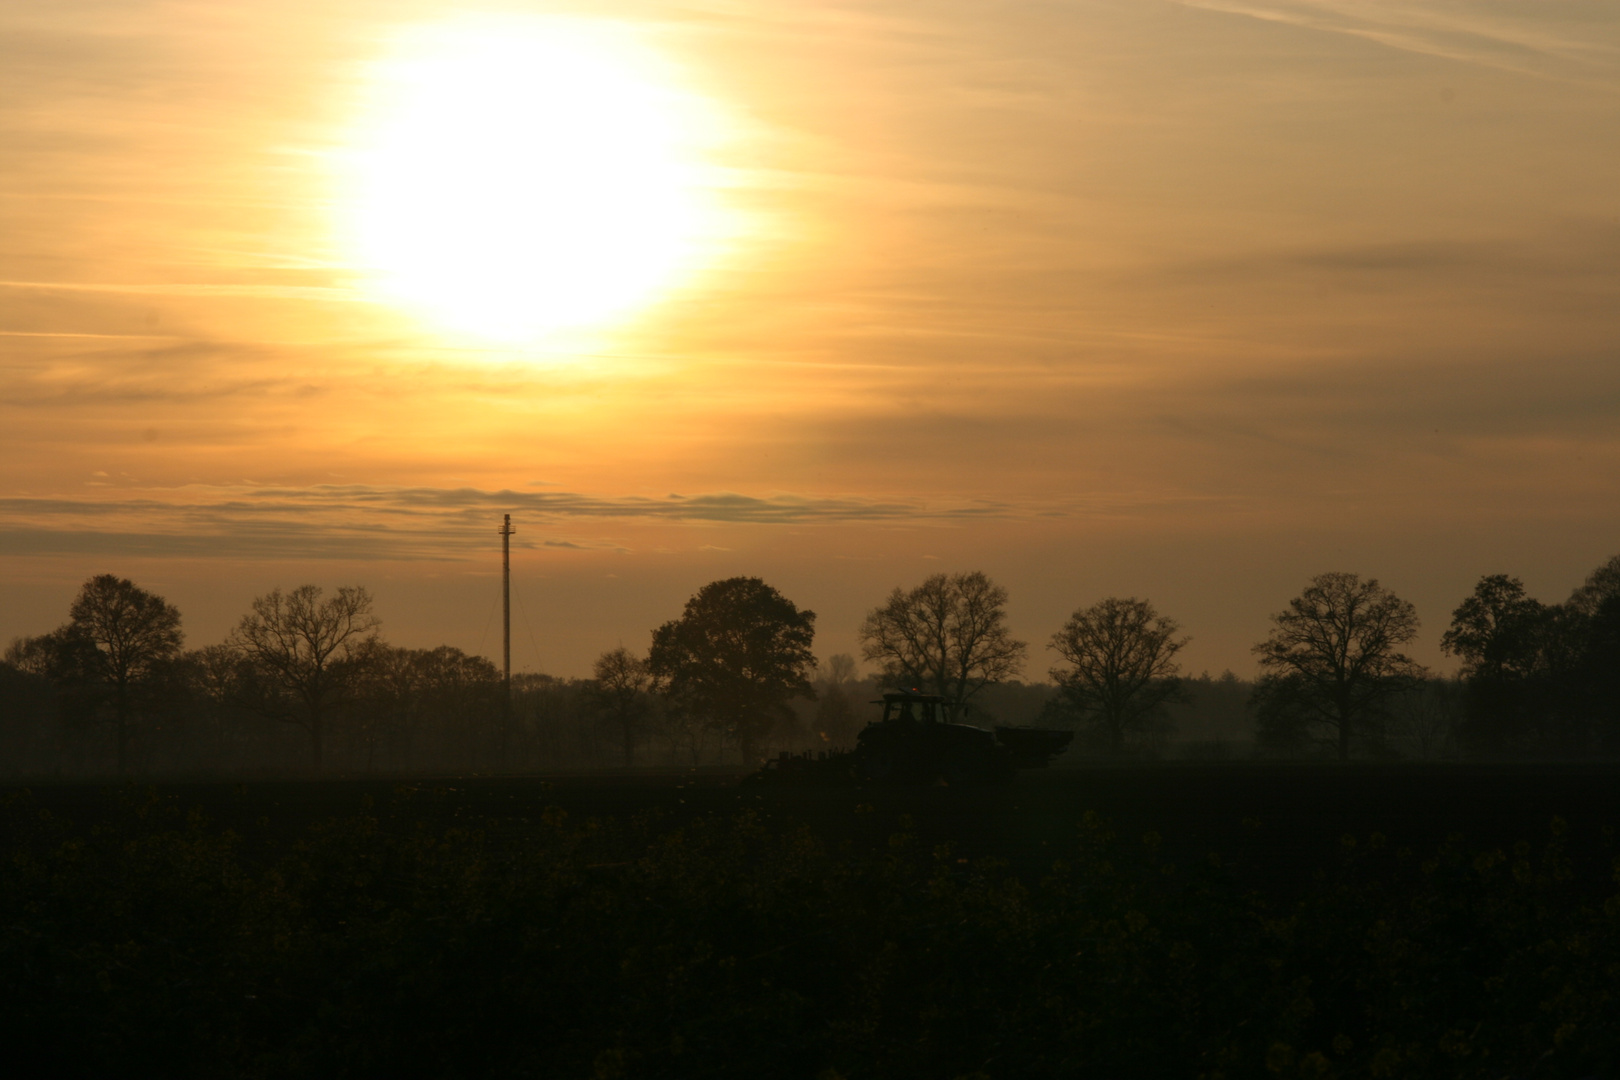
(519, 177)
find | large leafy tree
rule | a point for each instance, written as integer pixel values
(1601, 586)
(311, 648)
(133, 632)
(1496, 631)
(1501, 635)
(64, 656)
(1585, 664)
(1121, 665)
(1600, 670)
(948, 635)
(1539, 677)
(735, 657)
(62, 677)
(1333, 660)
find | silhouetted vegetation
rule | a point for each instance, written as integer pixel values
(310, 654)
(307, 682)
(623, 692)
(732, 661)
(1121, 667)
(1540, 679)
(111, 657)
(948, 636)
(1333, 664)
(1213, 717)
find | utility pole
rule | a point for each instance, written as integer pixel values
(506, 532)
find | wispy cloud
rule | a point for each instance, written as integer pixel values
(1566, 42)
(404, 523)
(276, 292)
(725, 507)
(1585, 250)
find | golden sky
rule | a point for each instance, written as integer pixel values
(1185, 300)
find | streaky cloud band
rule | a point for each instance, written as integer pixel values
(324, 521)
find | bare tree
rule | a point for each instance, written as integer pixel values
(835, 720)
(1426, 720)
(687, 734)
(621, 693)
(1122, 664)
(1333, 659)
(839, 669)
(307, 646)
(217, 677)
(948, 635)
(133, 632)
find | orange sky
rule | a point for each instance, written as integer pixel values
(1188, 301)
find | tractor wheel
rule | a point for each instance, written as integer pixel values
(875, 765)
(960, 773)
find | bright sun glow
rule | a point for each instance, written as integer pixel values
(521, 177)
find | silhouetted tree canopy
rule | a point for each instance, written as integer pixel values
(1121, 657)
(735, 657)
(1600, 672)
(132, 631)
(436, 704)
(621, 692)
(947, 636)
(1540, 679)
(62, 686)
(307, 647)
(1496, 632)
(1501, 636)
(1590, 655)
(65, 656)
(1601, 585)
(835, 722)
(306, 679)
(117, 640)
(1332, 661)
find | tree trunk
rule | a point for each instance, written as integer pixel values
(1344, 730)
(315, 741)
(121, 726)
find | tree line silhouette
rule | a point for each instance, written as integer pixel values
(306, 680)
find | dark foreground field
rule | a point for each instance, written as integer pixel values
(1274, 825)
(1174, 921)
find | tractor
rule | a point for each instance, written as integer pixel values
(915, 743)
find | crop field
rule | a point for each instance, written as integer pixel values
(1218, 921)
(1274, 824)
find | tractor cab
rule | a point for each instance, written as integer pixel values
(917, 742)
(911, 706)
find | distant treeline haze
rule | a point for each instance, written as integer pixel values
(307, 683)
